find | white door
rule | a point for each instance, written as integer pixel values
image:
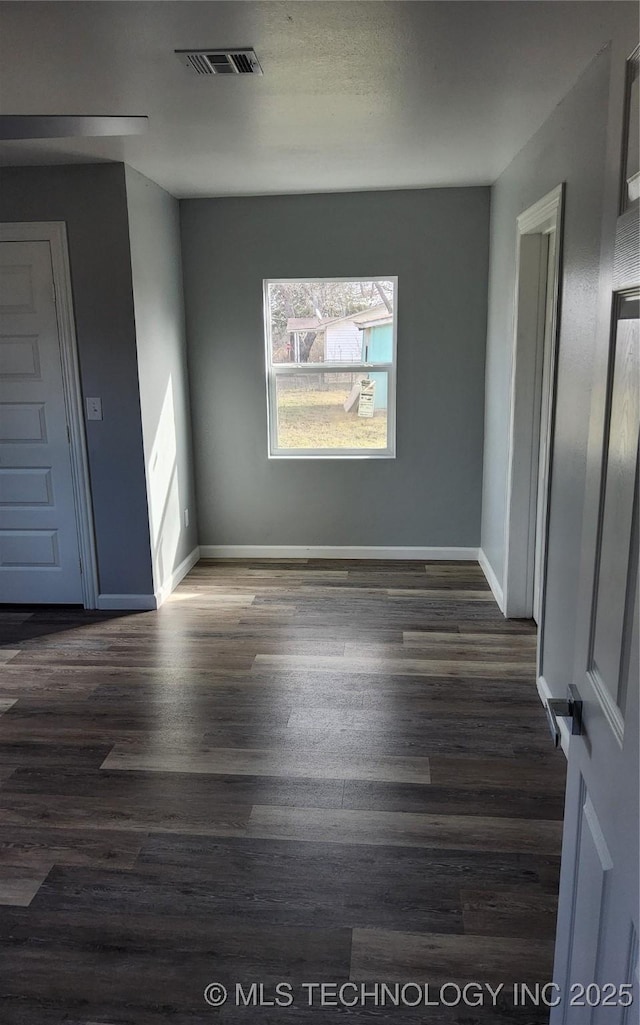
(39, 552)
(598, 914)
(596, 966)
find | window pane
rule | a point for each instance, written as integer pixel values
(330, 410)
(331, 321)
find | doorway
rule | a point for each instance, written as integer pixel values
(532, 406)
(46, 535)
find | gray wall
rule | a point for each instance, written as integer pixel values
(156, 266)
(436, 241)
(570, 147)
(91, 199)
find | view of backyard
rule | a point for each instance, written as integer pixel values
(340, 337)
(314, 417)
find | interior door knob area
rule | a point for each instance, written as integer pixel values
(569, 708)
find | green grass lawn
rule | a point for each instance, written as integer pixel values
(316, 419)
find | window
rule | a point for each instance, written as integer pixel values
(331, 367)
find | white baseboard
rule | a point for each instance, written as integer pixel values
(545, 693)
(147, 602)
(335, 552)
(492, 579)
(124, 602)
(163, 592)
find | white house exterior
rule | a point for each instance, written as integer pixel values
(343, 337)
(343, 342)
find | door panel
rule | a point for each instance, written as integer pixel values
(39, 554)
(29, 548)
(19, 358)
(598, 912)
(22, 423)
(25, 486)
(17, 291)
(593, 866)
(621, 447)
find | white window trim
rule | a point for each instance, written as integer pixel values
(273, 371)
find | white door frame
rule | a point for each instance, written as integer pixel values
(525, 431)
(55, 233)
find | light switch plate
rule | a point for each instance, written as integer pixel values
(94, 409)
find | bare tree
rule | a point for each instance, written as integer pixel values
(382, 295)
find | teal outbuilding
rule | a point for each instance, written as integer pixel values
(377, 347)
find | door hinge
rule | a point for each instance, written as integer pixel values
(81, 569)
(55, 297)
(68, 434)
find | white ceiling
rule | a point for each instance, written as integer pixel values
(355, 95)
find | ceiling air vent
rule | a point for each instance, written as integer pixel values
(241, 61)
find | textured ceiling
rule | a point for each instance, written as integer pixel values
(355, 95)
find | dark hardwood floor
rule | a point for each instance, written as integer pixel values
(294, 771)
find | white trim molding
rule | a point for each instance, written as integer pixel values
(55, 233)
(149, 602)
(492, 580)
(336, 552)
(535, 218)
(528, 436)
(172, 581)
(127, 602)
